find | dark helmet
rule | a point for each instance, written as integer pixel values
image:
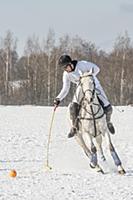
(64, 60)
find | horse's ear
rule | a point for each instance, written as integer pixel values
(91, 71)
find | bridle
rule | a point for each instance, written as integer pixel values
(91, 103)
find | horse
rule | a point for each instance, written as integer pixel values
(92, 125)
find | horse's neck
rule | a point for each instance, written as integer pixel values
(86, 108)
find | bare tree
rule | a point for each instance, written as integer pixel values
(9, 45)
(122, 47)
(49, 46)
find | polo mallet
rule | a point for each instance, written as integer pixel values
(47, 166)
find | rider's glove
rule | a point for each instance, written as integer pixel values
(56, 102)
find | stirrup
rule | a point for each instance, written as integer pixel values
(73, 131)
(111, 127)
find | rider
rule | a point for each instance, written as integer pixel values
(72, 72)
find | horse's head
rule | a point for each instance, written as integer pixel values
(88, 85)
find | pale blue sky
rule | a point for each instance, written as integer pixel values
(98, 21)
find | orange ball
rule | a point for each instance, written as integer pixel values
(13, 173)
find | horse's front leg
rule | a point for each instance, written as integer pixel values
(94, 160)
(115, 156)
(81, 142)
(88, 142)
(99, 147)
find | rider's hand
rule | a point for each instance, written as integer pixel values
(56, 102)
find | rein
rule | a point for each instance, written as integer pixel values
(91, 104)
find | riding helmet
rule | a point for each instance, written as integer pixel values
(64, 60)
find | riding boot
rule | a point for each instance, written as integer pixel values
(74, 111)
(108, 111)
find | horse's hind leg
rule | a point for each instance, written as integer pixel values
(115, 157)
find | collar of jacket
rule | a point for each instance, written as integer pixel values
(74, 62)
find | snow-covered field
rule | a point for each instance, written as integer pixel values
(23, 141)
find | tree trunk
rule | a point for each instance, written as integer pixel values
(122, 82)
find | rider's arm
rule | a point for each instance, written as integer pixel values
(95, 69)
(65, 88)
(86, 66)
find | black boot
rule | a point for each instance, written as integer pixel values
(74, 111)
(111, 127)
(108, 111)
(73, 132)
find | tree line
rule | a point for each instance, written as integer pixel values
(35, 78)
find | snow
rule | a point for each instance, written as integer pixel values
(23, 143)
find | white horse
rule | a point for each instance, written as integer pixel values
(92, 126)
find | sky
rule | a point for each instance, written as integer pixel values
(98, 21)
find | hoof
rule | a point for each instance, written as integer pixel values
(92, 165)
(122, 172)
(101, 171)
(97, 167)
